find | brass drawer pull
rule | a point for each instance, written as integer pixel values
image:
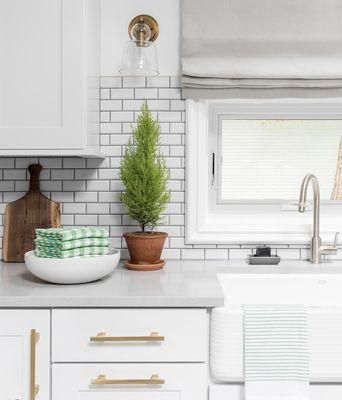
(34, 389)
(102, 337)
(102, 380)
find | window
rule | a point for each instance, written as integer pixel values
(245, 164)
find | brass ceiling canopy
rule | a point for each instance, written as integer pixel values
(143, 28)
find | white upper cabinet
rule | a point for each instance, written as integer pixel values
(49, 77)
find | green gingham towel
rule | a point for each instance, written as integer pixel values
(42, 243)
(276, 352)
(79, 252)
(53, 234)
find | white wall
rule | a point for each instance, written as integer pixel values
(116, 15)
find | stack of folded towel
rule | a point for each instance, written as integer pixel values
(76, 242)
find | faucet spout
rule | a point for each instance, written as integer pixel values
(310, 178)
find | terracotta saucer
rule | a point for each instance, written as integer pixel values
(145, 267)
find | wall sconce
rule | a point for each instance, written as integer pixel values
(139, 56)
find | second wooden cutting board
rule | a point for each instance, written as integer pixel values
(24, 216)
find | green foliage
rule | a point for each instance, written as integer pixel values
(144, 174)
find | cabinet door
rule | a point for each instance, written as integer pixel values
(181, 381)
(24, 354)
(42, 74)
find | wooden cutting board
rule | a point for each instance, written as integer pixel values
(26, 214)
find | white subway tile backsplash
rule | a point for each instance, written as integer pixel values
(122, 94)
(88, 189)
(169, 116)
(146, 93)
(158, 81)
(170, 93)
(134, 81)
(6, 162)
(110, 105)
(86, 220)
(111, 81)
(74, 208)
(122, 116)
(71, 162)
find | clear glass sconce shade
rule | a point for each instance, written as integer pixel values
(139, 58)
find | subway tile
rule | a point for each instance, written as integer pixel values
(95, 185)
(216, 254)
(104, 94)
(108, 174)
(192, 254)
(50, 162)
(67, 220)
(74, 208)
(62, 174)
(239, 254)
(86, 173)
(73, 162)
(14, 174)
(74, 186)
(21, 186)
(169, 116)
(6, 162)
(98, 208)
(86, 220)
(6, 186)
(169, 93)
(62, 197)
(105, 116)
(158, 81)
(175, 81)
(134, 81)
(122, 94)
(111, 81)
(51, 186)
(110, 220)
(86, 197)
(147, 93)
(111, 105)
(24, 162)
(289, 254)
(122, 116)
(111, 127)
(177, 105)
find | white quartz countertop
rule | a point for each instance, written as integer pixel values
(180, 284)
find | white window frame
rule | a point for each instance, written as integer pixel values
(247, 222)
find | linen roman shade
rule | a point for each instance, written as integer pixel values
(261, 48)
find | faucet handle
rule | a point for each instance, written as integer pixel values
(337, 234)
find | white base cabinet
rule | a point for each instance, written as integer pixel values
(49, 77)
(182, 381)
(24, 356)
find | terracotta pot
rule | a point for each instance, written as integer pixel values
(145, 250)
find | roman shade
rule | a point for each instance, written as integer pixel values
(261, 48)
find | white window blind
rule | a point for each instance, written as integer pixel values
(267, 159)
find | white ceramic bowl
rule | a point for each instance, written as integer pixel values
(72, 270)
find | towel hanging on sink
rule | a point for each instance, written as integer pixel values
(276, 352)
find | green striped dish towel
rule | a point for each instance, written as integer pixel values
(79, 252)
(70, 244)
(63, 234)
(276, 352)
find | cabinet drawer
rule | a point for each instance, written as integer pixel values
(179, 381)
(149, 335)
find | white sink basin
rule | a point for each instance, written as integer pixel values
(310, 290)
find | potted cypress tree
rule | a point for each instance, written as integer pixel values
(144, 176)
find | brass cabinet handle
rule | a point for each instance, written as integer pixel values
(102, 380)
(102, 337)
(34, 388)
